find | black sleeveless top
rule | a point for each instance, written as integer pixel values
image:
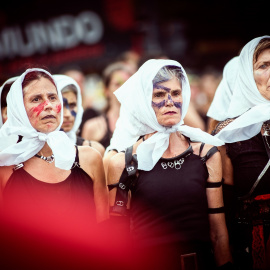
(66, 205)
(248, 159)
(169, 203)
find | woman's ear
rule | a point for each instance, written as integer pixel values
(4, 114)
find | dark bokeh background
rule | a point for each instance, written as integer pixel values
(198, 34)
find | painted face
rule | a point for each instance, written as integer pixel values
(69, 110)
(261, 73)
(42, 105)
(167, 102)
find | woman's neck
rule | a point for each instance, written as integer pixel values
(177, 145)
(45, 151)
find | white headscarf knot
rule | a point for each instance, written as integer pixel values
(42, 137)
(10, 80)
(170, 130)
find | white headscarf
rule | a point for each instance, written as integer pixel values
(218, 109)
(246, 100)
(137, 116)
(1, 89)
(33, 141)
(63, 81)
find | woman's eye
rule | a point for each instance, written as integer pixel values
(52, 98)
(176, 93)
(159, 94)
(264, 66)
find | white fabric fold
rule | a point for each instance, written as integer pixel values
(63, 81)
(245, 126)
(218, 109)
(138, 118)
(33, 141)
(246, 102)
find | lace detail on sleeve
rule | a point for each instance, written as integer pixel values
(222, 125)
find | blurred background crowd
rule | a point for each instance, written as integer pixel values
(83, 39)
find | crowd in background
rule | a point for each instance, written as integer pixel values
(203, 86)
(100, 134)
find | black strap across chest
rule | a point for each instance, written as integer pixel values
(126, 182)
(77, 161)
(209, 154)
(265, 141)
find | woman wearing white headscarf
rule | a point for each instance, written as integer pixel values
(176, 198)
(4, 89)
(45, 180)
(245, 130)
(73, 111)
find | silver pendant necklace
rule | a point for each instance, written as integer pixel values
(266, 132)
(49, 159)
(266, 129)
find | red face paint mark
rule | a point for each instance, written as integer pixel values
(39, 108)
(58, 108)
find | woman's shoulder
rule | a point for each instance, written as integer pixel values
(98, 146)
(5, 173)
(116, 166)
(6, 170)
(85, 150)
(202, 149)
(88, 155)
(117, 161)
(90, 160)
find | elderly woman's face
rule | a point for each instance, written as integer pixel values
(261, 72)
(42, 105)
(167, 102)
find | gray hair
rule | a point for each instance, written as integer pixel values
(70, 88)
(167, 73)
